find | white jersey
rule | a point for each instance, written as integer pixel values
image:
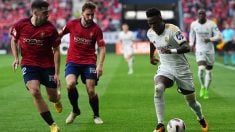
(171, 38)
(199, 32)
(173, 66)
(126, 39)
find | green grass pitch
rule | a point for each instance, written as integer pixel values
(126, 101)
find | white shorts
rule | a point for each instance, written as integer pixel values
(183, 76)
(209, 58)
(127, 52)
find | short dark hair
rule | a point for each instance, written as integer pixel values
(38, 4)
(88, 5)
(153, 12)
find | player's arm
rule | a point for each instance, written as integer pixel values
(14, 49)
(191, 36)
(57, 64)
(102, 53)
(153, 60)
(218, 36)
(182, 48)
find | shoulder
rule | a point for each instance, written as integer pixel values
(151, 34)
(22, 21)
(172, 27)
(210, 22)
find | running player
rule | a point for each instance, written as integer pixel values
(171, 46)
(205, 32)
(81, 60)
(39, 42)
(126, 38)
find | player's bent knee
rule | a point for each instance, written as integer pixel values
(201, 67)
(184, 91)
(36, 93)
(71, 84)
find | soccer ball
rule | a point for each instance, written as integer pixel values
(176, 125)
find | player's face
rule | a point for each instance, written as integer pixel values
(155, 23)
(124, 27)
(88, 16)
(42, 15)
(202, 16)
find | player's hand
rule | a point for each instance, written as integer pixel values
(57, 80)
(15, 64)
(99, 70)
(154, 61)
(165, 51)
(206, 40)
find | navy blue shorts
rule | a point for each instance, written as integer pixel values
(87, 71)
(44, 75)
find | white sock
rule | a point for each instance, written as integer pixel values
(208, 78)
(159, 102)
(196, 108)
(201, 71)
(130, 64)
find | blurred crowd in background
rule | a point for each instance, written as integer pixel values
(109, 14)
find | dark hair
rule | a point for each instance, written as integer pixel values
(201, 10)
(38, 4)
(153, 12)
(88, 5)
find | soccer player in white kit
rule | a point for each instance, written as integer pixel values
(171, 45)
(126, 39)
(205, 32)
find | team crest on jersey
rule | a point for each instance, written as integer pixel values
(91, 34)
(42, 34)
(179, 36)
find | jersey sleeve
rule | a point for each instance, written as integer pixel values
(99, 38)
(15, 31)
(66, 29)
(191, 35)
(179, 37)
(56, 40)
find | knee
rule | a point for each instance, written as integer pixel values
(201, 68)
(91, 93)
(71, 84)
(159, 90)
(35, 92)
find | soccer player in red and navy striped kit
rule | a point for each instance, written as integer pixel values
(39, 42)
(81, 60)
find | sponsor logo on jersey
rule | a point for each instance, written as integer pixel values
(82, 40)
(33, 41)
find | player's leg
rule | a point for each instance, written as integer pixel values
(130, 60)
(208, 73)
(161, 82)
(89, 77)
(208, 79)
(186, 87)
(233, 58)
(201, 76)
(226, 53)
(32, 79)
(196, 107)
(53, 93)
(71, 74)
